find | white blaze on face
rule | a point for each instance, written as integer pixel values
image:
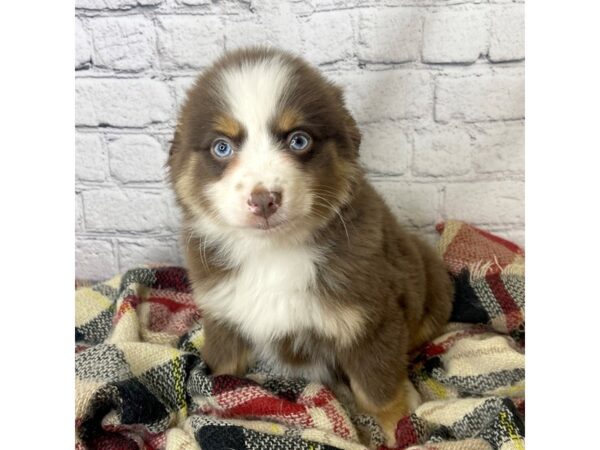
(253, 94)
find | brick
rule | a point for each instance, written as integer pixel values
(90, 157)
(499, 147)
(122, 102)
(389, 35)
(485, 202)
(442, 152)
(507, 36)
(94, 259)
(85, 113)
(136, 158)
(129, 224)
(189, 41)
(281, 21)
(195, 2)
(114, 4)
(182, 85)
(145, 251)
(79, 225)
(385, 148)
(241, 33)
(129, 210)
(479, 98)
(83, 46)
(451, 36)
(282, 31)
(123, 43)
(321, 29)
(387, 94)
(319, 5)
(414, 204)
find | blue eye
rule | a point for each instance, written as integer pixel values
(299, 141)
(222, 149)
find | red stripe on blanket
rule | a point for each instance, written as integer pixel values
(509, 245)
(130, 302)
(320, 399)
(170, 304)
(435, 349)
(406, 435)
(273, 408)
(324, 400)
(510, 309)
(339, 423)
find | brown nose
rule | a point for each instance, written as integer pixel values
(264, 203)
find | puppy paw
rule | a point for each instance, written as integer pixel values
(413, 398)
(388, 421)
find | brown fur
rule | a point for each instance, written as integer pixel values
(389, 286)
(229, 127)
(288, 120)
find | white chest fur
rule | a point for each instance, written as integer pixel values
(271, 294)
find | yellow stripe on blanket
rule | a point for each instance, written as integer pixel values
(436, 388)
(88, 305)
(447, 412)
(515, 440)
(179, 376)
(142, 357)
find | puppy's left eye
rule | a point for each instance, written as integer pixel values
(222, 148)
(299, 141)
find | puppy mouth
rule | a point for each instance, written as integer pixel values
(267, 224)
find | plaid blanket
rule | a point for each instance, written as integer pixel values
(141, 382)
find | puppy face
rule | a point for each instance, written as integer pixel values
(264, 145)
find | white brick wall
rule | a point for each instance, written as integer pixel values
(436, 85)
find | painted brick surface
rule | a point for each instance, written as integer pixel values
(390, 35)
(498, 147)
(139, 252)
(83, 45)
(442, 152)
(416, 205)
(124, 42)
(455, 36)
(486, 202)
(320, 27)
(95, 258)
(90, 157)
(384, 149)
(436, 86)
(189, 41)
(122, 102)
(128, 210)
(136, 158)
(387, 94)
(480, 98)
(507, 36)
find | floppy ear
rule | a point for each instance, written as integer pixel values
(352, 129)
(174, 143)
(349, 122)
(174, 152)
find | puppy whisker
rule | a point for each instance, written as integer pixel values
(332, 208)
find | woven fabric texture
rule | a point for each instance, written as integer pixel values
(141, 382)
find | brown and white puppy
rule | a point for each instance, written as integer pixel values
(293, 256)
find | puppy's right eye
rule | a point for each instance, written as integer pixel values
(222, 148)
(299, 141)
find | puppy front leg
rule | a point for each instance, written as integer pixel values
(377, 371)
(388, 413)
(224, 350)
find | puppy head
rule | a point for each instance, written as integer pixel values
(264, 144)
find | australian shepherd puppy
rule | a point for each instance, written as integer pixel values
(294, 257)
